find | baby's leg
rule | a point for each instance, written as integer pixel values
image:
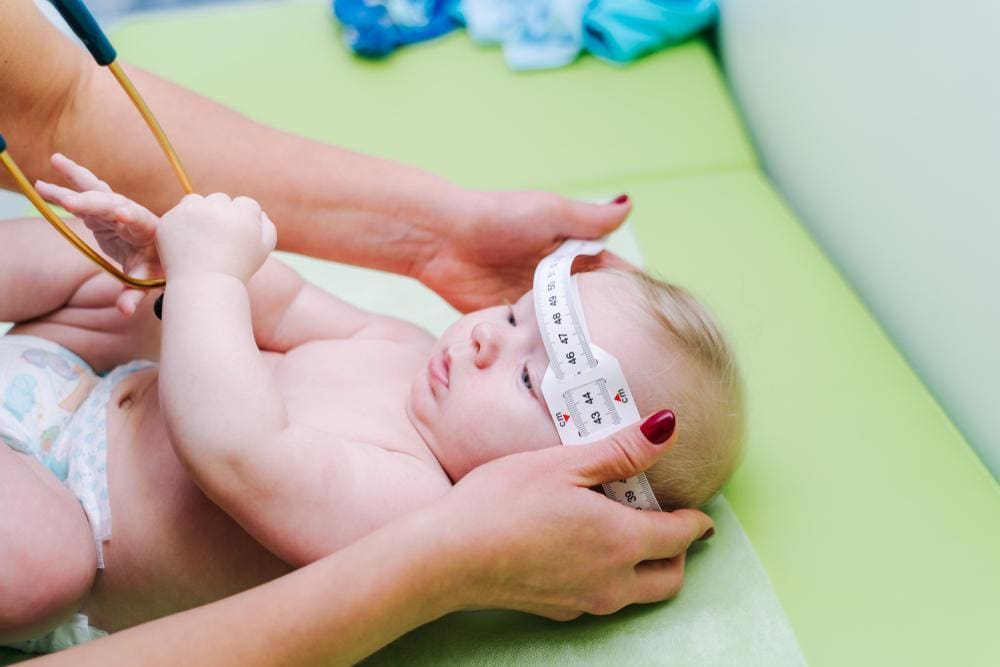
(47, 555)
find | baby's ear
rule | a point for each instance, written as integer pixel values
(604, 260)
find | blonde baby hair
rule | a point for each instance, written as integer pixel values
(709, 406)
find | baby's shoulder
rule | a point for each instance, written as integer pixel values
(398, 331)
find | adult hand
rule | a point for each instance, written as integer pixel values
(124, 230)
(532, 536)
(493, 258)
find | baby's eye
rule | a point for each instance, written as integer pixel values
(526, 377)
(510, 318)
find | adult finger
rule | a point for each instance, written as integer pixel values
(587, 220)
(624, 453)
(78, 176)
(669, 534)
(658, 580)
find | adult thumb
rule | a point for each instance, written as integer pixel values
(596, 220)
(629, 451)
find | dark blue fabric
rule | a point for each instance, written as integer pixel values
(375, 28)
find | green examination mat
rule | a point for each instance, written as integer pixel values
(861, 529)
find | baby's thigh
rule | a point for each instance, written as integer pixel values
(47, 555)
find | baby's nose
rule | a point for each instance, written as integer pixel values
(486, 340)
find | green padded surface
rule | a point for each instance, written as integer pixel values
(875, 521)
(446, 106)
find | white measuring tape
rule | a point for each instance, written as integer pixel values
(584, 386)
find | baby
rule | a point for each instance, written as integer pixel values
(282, 423)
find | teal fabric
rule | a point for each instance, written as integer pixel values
(623, 30)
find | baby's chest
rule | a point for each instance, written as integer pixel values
(355, 389)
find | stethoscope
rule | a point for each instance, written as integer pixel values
(85, 26)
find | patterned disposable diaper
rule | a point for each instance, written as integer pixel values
(53, 407)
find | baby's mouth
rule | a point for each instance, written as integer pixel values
(439, 368)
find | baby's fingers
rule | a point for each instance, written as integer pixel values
(269, 232)
(129, 300)
(93, 204)
(137, 224)
(78, 176)
(54, 194)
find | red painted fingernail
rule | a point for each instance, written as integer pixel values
(620, 199)
(659, 427)
(707, 535)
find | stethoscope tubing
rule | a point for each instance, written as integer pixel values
(84, 25)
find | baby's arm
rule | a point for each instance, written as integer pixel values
(52, 291)
(39, 271)
(283, 482)
(289, 311)
(215, 385)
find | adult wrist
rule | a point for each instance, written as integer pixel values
(458, 553)
(460, 212)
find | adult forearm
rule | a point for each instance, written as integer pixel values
(556, 549)
(333, 612)
(326, 201)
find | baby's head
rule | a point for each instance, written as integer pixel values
(480, 396)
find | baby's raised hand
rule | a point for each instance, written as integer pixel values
(215, 234)
(124, 230)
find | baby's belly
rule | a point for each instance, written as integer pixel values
(170, 548)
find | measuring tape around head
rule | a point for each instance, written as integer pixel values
(584, 386)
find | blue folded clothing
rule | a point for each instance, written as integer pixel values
(374, 28)
(534, 34)
(537, 34)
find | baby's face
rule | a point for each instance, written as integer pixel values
(479, 398)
